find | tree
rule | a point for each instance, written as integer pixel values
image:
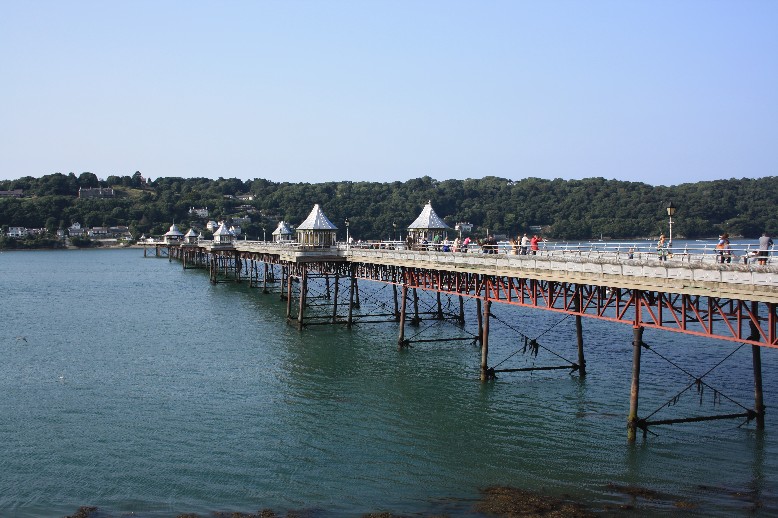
(88, 180)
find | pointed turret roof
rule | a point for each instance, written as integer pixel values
(283, 229)
(173, 231)
(316, 220)
(191, 233)
(223, 231)
(428, 219)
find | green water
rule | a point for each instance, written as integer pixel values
(138, 387)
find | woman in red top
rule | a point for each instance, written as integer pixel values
(533, 244)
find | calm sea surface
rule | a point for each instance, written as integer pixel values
(136, 386)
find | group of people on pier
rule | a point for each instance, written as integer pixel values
(724, 251)
(521, 245)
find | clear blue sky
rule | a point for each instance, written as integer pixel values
(662, 92)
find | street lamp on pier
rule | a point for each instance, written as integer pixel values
(394, 231)
(263, 234)
(347, 243)
(670, 212)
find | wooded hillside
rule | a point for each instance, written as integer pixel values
(566, 209)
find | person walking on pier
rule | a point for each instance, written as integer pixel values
(661, 249)
(524, 244)
(533, 244)
(723, 249)
(765, 244)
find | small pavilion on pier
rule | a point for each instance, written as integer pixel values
(191, 237)
(317, 229)
(283, 233)
(223, 235)
(428, 226)
(173, 235)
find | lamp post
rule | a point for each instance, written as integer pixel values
(670, 212)
(347, 243)
(394, 231)
(263, 234)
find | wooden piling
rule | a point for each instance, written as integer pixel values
(756, 359)
(632, 420)
(416, 320)
(440, 307)
(394, 297)
(401, 339)
(461, 310)
(579, 332)
(480, 319)
(288, 294)
(756, 355)
(485, 374)
(352, 287)
(303, 296)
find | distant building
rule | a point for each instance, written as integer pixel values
(463, 228)
(212, 226)
(76, 230)
(245, 197)
(17, 232)
(98, 232)
(200, 213)
(95, 192)
(16, 193)
(120, 232)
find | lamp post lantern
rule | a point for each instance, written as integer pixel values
(670, 212)
(394, 231)
(347, 242)
(263, 234)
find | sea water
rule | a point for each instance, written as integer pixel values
(133, 385)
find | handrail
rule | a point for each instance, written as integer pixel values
(706, 252)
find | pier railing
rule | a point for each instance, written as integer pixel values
(704, 253)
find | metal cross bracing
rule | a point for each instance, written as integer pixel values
(755, 323)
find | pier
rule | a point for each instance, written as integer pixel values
(735, 302)
(685, 291)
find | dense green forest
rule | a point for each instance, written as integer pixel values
(566, 209)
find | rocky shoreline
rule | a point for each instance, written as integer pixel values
(496, 501)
